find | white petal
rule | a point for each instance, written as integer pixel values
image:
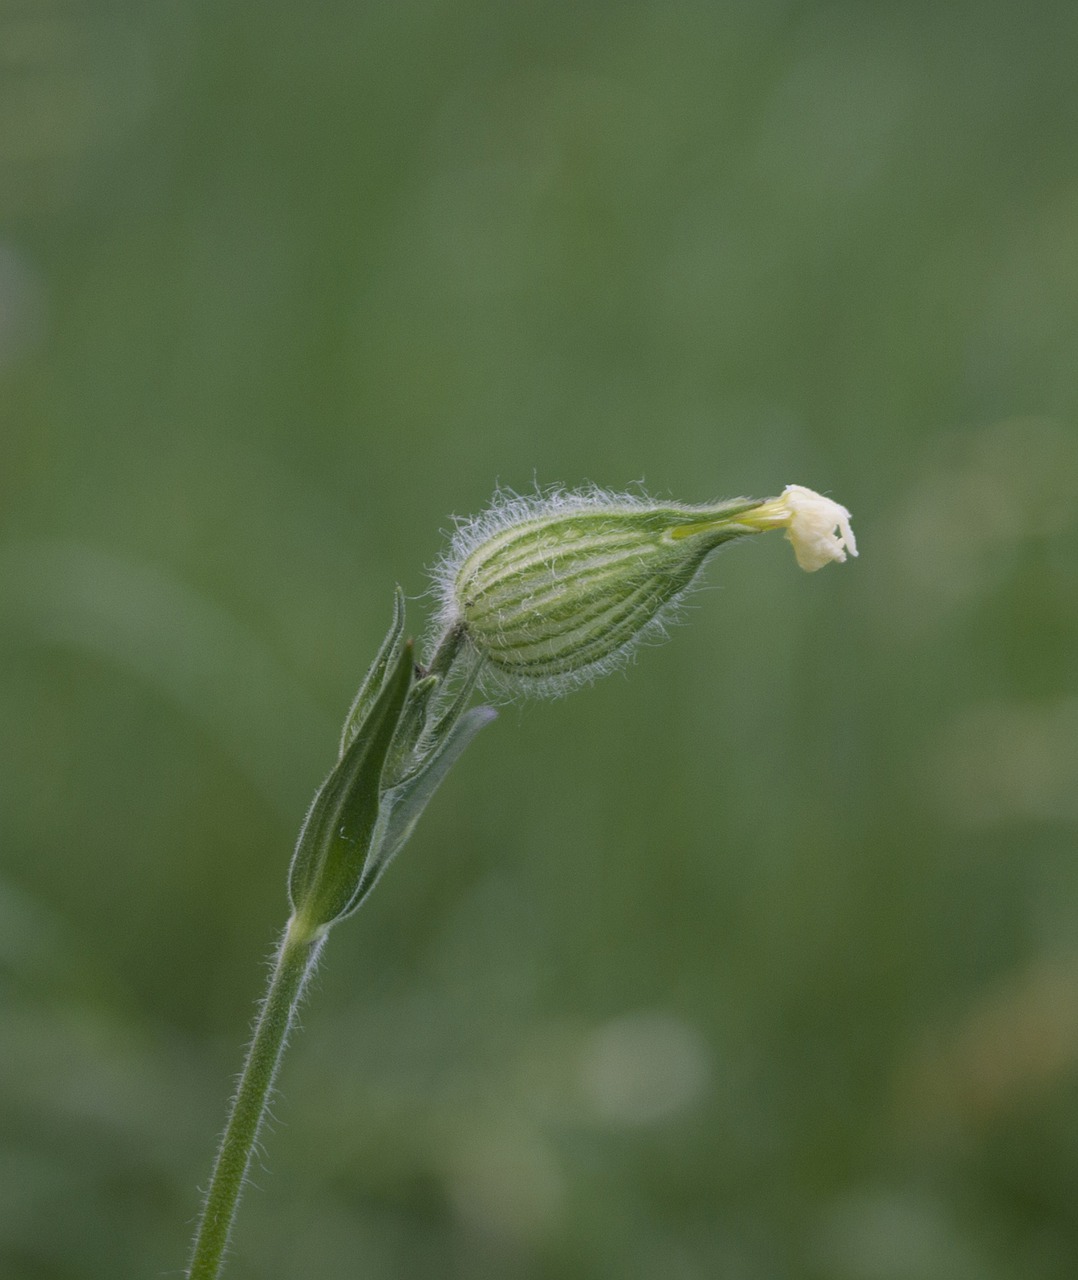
(819, 529)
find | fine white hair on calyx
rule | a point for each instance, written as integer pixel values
(507, 510)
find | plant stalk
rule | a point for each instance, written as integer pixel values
(296, 961)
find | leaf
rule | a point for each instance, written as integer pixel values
(413, 722)
(404, 804)
(376, 676)
(336, 839)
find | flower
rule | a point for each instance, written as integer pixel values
(818, 528)
(552, 590)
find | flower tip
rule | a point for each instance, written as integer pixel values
(818, 528)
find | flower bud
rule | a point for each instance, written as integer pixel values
(554, 590)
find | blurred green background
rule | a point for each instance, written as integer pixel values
(761, 962)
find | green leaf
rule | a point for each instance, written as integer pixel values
(337, 836)
(437, 732)
(404, 804)
(376, 676)
(413, 722)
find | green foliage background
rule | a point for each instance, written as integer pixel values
(760, 963)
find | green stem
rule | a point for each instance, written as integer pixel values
(296, 960)
(447, 651)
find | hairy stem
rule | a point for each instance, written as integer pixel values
(447, 651)
(296, 960)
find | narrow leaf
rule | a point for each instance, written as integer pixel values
(376, 676)
(400, 763)
(405, 803)
(335, 842)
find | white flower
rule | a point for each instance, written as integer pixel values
(551, 590)
(818, 528)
